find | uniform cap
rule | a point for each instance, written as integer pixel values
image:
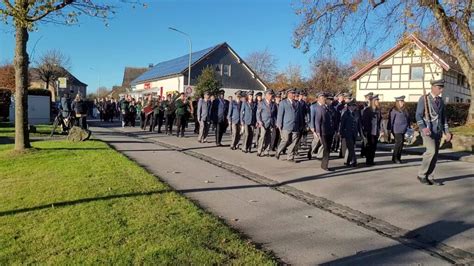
(400, 98)
(370, 94)
(250, 93)
(221, 91)
(375, 97)
(238, 92)
(291, 91)
(320, 94)
(258, 93)
(351, 102)
(270, 91)
(438, 82)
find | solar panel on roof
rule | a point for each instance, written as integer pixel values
(172, 67)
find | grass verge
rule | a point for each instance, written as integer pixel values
(84, 203)
(467, 130)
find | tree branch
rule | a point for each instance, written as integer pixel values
(49, 11)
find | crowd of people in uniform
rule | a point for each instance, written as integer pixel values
(280, 123)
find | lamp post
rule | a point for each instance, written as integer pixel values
(190, 52)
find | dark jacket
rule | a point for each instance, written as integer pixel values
(219, 110)
(367, 121)
(399, 121)
(322, 120)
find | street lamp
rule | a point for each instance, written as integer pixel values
(190, 51)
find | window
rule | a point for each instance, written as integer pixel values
(385, 74)
(227, 70)
(218, 69)
(416, 73)
(461, 80)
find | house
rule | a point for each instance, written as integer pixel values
(407, 68)
(172, 75)
(72, 84)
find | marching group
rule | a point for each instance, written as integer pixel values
(281, 121)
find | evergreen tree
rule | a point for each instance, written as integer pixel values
(207, 82)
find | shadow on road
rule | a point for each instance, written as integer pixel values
(417, 239)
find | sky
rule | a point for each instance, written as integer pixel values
(139, 36)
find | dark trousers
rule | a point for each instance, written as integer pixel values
(81, 122)
(397, 150)
(336, 142)
(196, 125)
(169, 123)
(370, 149)
(326, 141)
(180, 124)
(220, 129)
(248, 137)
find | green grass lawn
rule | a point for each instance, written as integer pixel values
(467, 130)
(7, 130)
(84, 203)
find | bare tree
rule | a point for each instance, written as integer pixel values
(263, 63)
(51, 66)
(24, 15)
(362, 58)
(329, 75)
(323, 21)
(291, 77)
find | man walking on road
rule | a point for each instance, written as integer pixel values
(233, 117)
(431, 118)
(203, 117)
(219, 110)
(323, 128)
(266, 117)
(289, 122)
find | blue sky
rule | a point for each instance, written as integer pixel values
(139, 36)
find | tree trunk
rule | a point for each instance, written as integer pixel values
(470, 80)
(21, 62)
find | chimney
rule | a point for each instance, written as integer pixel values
(150, 65)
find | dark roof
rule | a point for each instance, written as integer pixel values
(34, 76)
(174, 66)
(445, 60)
(131, 73)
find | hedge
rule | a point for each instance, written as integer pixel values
(456, 112)
(39, 92)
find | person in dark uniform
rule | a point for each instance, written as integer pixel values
(181, 107)
(289, 122)
(196, 122)
(133, 112)
(266, 118)
(219, 111)
(247, 121)
(433, 123)
(323, 128)
(350, 129)
(303, 100)
(257, 131)
(371, 124)
(157, 115)
(203, 116)
(233, 116)
(275, 141)
(366, 104)
(337, 105)
(169, 112)
(80, 109)
(400, 122)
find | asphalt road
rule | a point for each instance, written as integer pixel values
(367, 215)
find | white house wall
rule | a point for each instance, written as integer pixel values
(169, 85)
(400, 83)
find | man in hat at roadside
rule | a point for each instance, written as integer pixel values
(266, 118)
(431, 118)
(366, 104)
(219, 110)
(204, 117)
(289, 120)
(233, 117)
